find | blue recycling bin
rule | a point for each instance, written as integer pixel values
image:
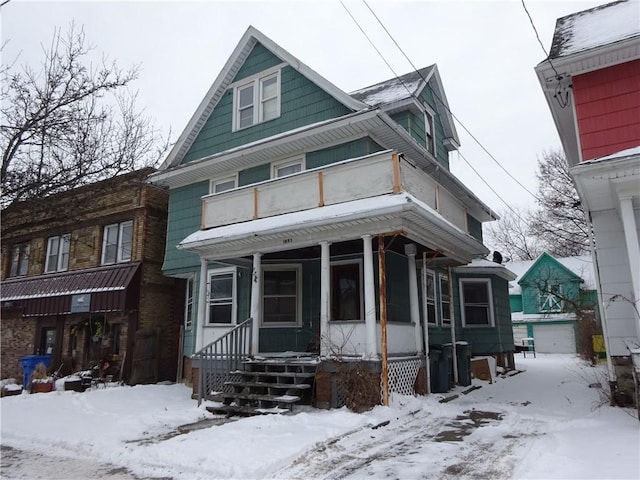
(29, 363)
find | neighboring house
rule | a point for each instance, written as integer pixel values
(284, 188)
(592, 85)
(82, 281)
(547, 299)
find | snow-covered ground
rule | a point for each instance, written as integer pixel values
(546, 422)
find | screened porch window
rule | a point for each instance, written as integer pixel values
(431, 297)
(280, 296)
(346, 291)
(445, 311)
(476, 300)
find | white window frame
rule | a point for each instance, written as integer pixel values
(434, 320)
(120, 258)
(429, 129)
(289, 162)
(298, 269)
(220, 181)
(357, 261)
(234, 295)
(256, 82)
(189, 296)
(444, 321)
(62, 254)
(489, 306)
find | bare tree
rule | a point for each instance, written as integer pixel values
(70, 123)
(559, 223)
(511, 236)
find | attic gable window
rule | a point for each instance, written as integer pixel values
(256, 100)
(429, 134)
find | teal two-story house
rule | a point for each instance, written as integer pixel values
(549, 298)
(292, 202)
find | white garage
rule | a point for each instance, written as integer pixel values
(555, 338)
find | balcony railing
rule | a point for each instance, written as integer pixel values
(364, 177)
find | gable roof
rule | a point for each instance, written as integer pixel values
(250, 38)
(595, 27)
(400, 91)
(580, 266)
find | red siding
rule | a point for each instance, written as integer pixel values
(608, 109)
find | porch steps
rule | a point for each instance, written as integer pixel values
(266, 386)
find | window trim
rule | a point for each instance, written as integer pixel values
(444, 321)
(119, 258)
(256, 82)
(281, 267)
(20, 260)
(61, 265)
(490, 313)
(549, 295)
(220, 180)
(234, 296)
(359, 263)
(433, 321)
(288, 162)
(189, 303)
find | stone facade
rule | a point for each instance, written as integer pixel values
(101, 336)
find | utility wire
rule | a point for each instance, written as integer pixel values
(435, 94)
(448, 109)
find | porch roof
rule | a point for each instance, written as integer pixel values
(390, 213)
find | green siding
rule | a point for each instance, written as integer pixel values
(548, 270)
(356, 148)
(184, 218)
(475, 227)
(254, 175)
(515, 302)
(259, 59)
(441, 154)
(302, 103)
(499, 338)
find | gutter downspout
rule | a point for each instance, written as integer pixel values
(453, 327)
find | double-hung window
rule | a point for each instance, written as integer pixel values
(476, 300)
(117, 241)
(19, 260)
(445, 301)
(429, 133)
(346, 291)
(57, 254)
(223, 184)
(430, 298)
(281, 296)
(288, 167)
(222, 294)
(257, 100)
(188, 305)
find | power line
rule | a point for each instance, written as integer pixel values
(435, 94)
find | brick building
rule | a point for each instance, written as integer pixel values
(82, 281)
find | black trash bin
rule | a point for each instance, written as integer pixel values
(463, 356)
(439, 364)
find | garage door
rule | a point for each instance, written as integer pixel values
(554, 338)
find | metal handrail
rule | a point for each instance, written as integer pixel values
(222, 357)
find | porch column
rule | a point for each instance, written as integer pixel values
(414, 309)
(369, 299)
(325, 298)
(633, 250)
(256, 289)
(202, 302)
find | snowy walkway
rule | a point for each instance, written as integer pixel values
(543, 423)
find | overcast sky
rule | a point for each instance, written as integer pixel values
(485, 51)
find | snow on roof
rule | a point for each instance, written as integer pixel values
(482, 265)
(622, 154)
(595, 27)
(581, 265)
(394, 89)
